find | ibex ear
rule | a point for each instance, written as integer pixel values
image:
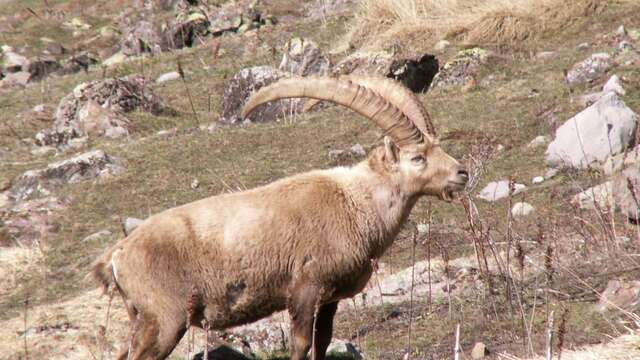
(390, 150)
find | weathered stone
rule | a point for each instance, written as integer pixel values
(342, 349)
(358, 150)
(537, 180)
(170, 76)
(620, 294)
(613, 84)
(14, 62)
(479, 351)
(626, 192)
(599, 197)
(115, 59)
(463, 67)
(20, 78)
(499, 189)
(441, 45)
(243, 84)
(621, 31)
(118, 95)
(5, 200)
(129, 224)
(95, 120)
(537, 141)
(303, 57)
(604, 129)
(37, 183)
(521, 209)
(590, 69)
(141, 36)
(416, 73)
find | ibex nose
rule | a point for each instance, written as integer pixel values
(463, 174)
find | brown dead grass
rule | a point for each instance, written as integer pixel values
(501, 22)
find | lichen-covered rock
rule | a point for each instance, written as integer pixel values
(464, 66)
(604, 129)
(118, 95)
(243, 84)
(589, 69)
(304, 57)
(38, 183)
(416, 73)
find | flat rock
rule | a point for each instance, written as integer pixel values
(604, 129)
(499, 189)
(537, 180)
(589, 69)
(37, 183)
(95, 120)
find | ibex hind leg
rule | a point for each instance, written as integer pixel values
(157, 336)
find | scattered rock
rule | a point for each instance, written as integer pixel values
(620, 294)
(342, 348)
(546, 55)
(499, 189)
(613, 84)
(621, 31)
(463, 67)
(599, 197)
(303, 57)
(98, 235)
(37, 183)
(358, 150)
(170, 76)
(604, 129)
(479, 351)
(243, 84)
(113, 96)
(39, 108)
(589, 70)
(626, 190)
(441, 45)
(416, 73)
(537, 141)
(129, 224)
(521, 209)
(583, 46)
(537, 180)
(115, 59)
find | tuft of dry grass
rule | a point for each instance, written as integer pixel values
(498, 22)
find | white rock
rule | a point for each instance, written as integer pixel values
(600, 196)
(499, 189)
(545, 55)
(441, 45)
(479, 351)
(537, 141)
(621, 30)
(38, 108)
(358, 150)
(521, 209)
(590, 69)
(170, 76)
(341, 348)
(551, 173)
(583, 46)
(613, 84)
(131, 224)
(422, 228)
(537, 180)
(43, 150)
(603, 129)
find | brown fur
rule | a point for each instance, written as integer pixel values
(301, 243)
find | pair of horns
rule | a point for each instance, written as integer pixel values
(390, 105)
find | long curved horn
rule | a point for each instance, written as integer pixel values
(401, 97)
(361, 99)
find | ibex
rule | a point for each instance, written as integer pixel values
(301, 243)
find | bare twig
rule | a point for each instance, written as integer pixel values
(456, 349)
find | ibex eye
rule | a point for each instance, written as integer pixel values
(418, 159)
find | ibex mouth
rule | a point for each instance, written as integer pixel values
(451, 190)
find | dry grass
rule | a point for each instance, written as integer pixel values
(498, 22)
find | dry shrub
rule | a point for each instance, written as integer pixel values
(498, 22)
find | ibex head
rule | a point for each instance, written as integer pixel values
(411, 157)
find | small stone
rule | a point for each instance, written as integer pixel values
(38, 108)
(422, 228)
(131, 224)
(499, 189)
(546, 55)
(583, 46)
(115, 59)
(551, 173)
(537, 141)
(170, 76)
(537, 180)
(441, 45)
(55, 49)
(344, 348)
(43, 150)
(98, 235)
(195, 184)
(521, 209)
(621, 31)
(634, 34)
(590, 69)
(624, 45)
(479, 351)
(358, 150)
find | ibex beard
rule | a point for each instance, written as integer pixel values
(301, 243)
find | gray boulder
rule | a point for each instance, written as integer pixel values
(604, 129)
(38, 183)
(247, 81)
(589, 69)
(344, 349)
(115, 95)
(303, 57)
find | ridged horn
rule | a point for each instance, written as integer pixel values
(359, 98)
(401, 97)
